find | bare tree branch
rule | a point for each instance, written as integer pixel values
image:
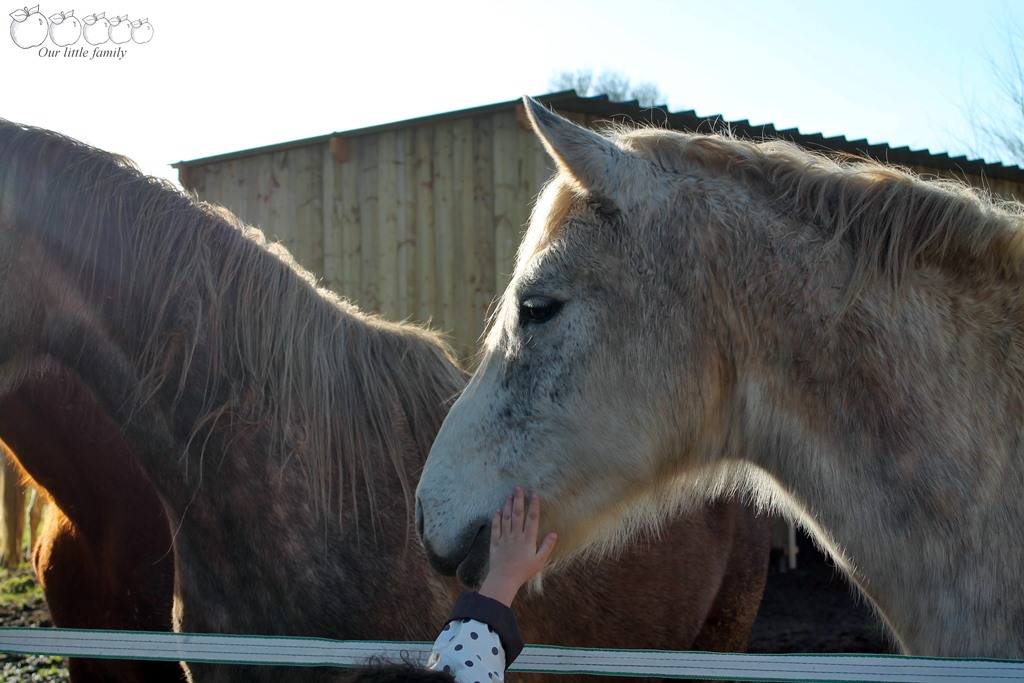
(616, 85)
(997, 134)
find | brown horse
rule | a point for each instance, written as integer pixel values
(113, 567)
(278, 429)
(844, 339)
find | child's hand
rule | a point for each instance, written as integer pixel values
(515, 557)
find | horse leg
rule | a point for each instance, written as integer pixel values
(36, 509)
(12, 502)
(731, 618)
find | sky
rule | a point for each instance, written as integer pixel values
(220, 77)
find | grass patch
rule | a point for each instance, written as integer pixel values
(18, 587)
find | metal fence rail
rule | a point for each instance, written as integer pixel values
(276, 650)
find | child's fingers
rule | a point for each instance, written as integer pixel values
(496, 525)
(546, 546)
(533, 516)
(506, 516)
(518, 510)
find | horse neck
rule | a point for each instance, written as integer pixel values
(197, 337)
(882, 420)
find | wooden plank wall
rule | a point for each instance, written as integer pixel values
(418, 223)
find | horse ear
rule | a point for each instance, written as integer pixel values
(592, 161)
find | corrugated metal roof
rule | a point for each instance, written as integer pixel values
(601, 106)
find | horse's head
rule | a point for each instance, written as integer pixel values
(574, 398)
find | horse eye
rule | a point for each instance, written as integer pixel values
(537, 309)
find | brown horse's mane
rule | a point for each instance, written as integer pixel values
(208, 305)
(891, 218)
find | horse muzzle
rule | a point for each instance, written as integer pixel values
(468, 558)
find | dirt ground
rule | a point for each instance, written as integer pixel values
(809, 609)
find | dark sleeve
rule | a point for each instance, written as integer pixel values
(494, 614)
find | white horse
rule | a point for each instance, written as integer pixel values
(702, 314)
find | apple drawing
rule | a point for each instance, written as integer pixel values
(120, 30)
(142, 31)
(65, 29)
(29, 28)
(96, 29)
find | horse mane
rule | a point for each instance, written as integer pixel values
(212, 306)
(891, 218)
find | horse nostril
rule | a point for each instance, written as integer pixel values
(419, 520)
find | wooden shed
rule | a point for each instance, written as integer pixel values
(421, 219)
